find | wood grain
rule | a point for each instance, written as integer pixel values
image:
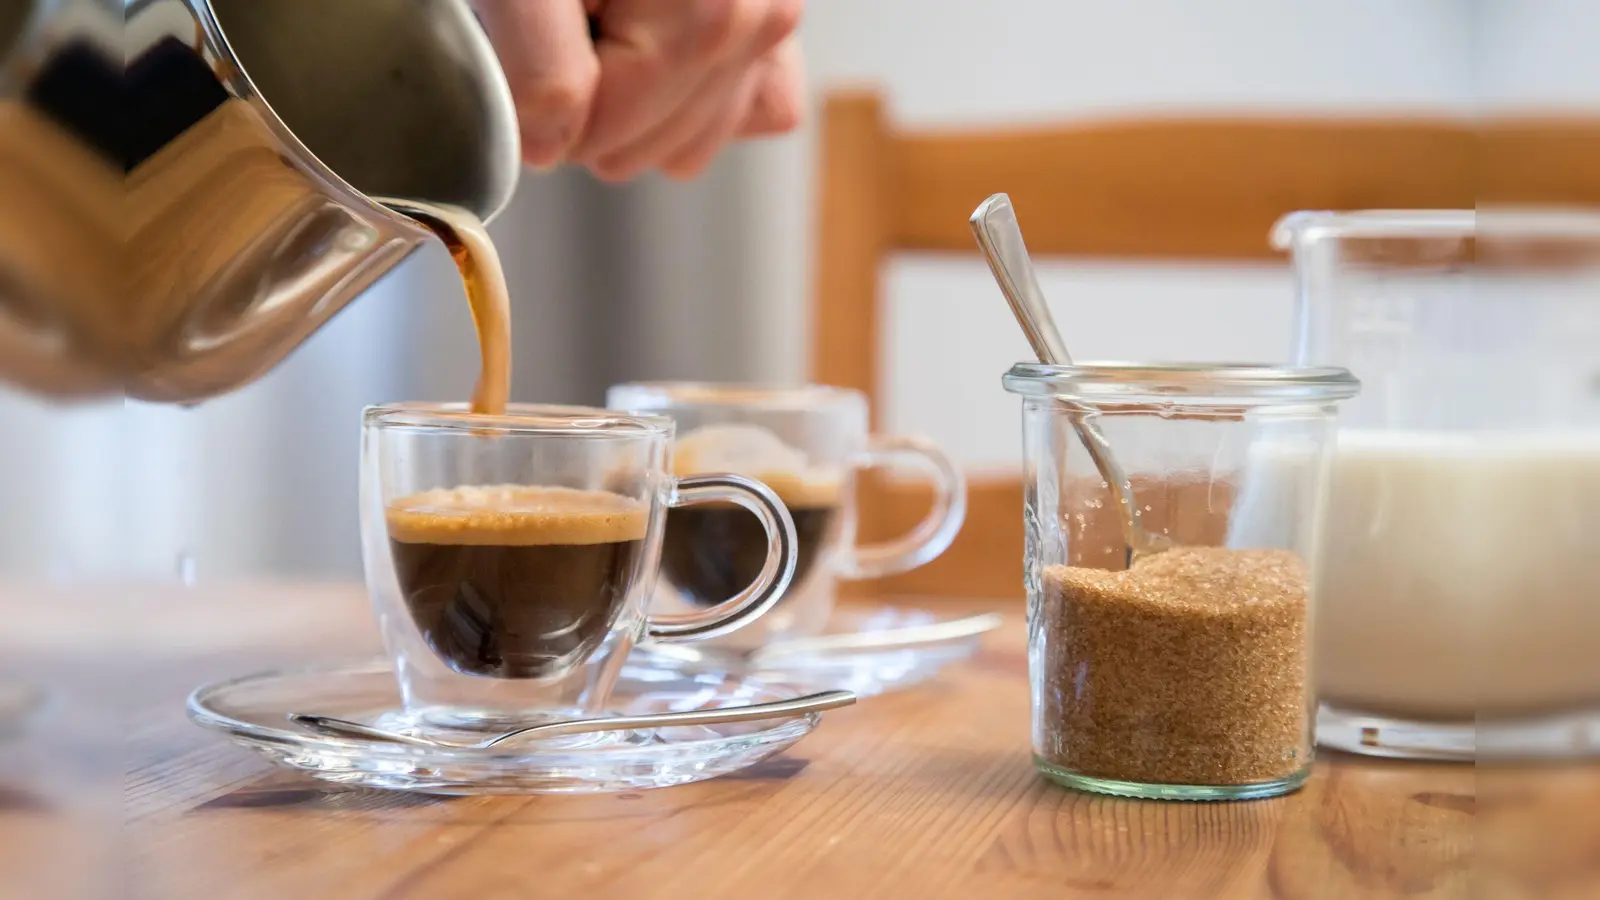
(925, 794)
(856, 201)
(984, 561)
(857, 197)
(1174, 189)
(1540, 161)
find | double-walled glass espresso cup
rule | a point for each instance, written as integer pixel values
(807, 442)
(511, 558)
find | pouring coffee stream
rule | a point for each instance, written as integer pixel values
(484, 279)
(994, 224)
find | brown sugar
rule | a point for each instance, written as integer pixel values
(1191, 668)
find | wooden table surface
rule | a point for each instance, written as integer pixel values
(925, 794)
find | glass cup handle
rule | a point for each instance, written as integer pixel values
(934, 534)
(750, 603)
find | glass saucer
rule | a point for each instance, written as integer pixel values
(877, 659)
(253, 710)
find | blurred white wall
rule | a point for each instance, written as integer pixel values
(1537, 55)
(949, 62)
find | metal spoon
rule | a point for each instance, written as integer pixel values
(994, 224)
(810, 703)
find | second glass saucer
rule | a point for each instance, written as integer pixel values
(865, 651)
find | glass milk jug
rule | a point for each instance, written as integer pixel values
(1459, 604)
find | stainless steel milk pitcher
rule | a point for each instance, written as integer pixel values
(187, 187)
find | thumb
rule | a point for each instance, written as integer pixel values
(550, 63)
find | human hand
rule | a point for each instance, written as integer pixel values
(667, 84)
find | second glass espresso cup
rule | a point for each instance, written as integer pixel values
(511, 558)
(807, 442)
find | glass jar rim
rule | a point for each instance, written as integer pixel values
(1224, 382)
(1307, 226)
(519, 418)
(756, 394)
(1310, 226)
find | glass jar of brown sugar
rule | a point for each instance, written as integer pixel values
(1185, 675)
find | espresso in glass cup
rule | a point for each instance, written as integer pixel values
(807, 443)
(510, 558)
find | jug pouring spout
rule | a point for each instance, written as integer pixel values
(186, 186)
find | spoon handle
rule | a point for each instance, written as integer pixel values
(994, 224)
(810, 703)
(799, 705)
